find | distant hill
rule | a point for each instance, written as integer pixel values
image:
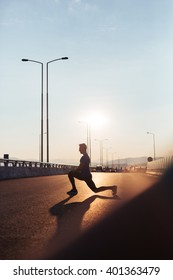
(122, 162)
(132, 161)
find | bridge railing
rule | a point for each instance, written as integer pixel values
(25, 163)
(10, 168)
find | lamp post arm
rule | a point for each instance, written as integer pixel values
(31, 60)
(62, 58)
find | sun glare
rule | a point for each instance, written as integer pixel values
(96, 119)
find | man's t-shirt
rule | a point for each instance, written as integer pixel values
(85, 160)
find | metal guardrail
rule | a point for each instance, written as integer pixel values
(25, 163)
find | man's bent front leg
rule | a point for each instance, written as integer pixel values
(72, 181)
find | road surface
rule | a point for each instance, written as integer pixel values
(36, 213)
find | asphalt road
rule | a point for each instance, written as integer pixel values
(36, 213)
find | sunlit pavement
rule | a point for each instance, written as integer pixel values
(37, 213)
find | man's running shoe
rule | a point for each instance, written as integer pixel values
(72, 192)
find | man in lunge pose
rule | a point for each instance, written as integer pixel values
(82, 172)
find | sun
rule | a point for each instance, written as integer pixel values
(96, 119)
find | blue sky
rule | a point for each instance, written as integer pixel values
(120, 66)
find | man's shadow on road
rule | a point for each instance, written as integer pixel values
(69, 219)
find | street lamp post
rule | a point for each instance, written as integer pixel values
(40, 146)
(47, 121)
(101, 150)
(107, 156)
(153, 144)
(89, 139)
(113, 159)
(30, 60)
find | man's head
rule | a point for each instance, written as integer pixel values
(82, 148)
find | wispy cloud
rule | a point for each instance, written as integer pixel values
(77, 1)
(81, 4)
(75, 5)
(10, 22)
(110, 28)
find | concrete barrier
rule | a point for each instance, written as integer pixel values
(10, 169)
(22, 172)
(159, 166)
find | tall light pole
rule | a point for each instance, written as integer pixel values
(153, 144)
(107, 156)
(40, 145)
(101, 150)
(89, 139)
(113, 159)
(47, 121)
(30, 60)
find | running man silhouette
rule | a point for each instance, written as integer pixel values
(82, 172)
